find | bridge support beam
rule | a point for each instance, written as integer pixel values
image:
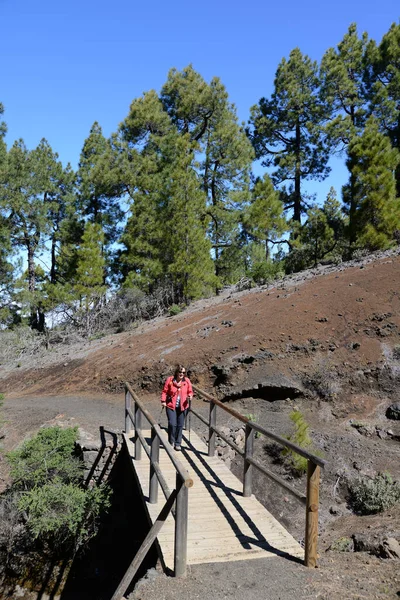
(313, 475)
(181, 528)
(138, 428)
(155, 458)
(128, 407)
(211, 431)
(247, 467)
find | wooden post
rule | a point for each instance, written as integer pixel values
(313, 473)
(247, 467)
(138, 427)
(154, 457)
(144, 548)
(181, 527)
(128, 406)
(211, 432)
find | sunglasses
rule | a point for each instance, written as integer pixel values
(182, 372)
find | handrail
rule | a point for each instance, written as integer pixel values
(310, 500)
(183, 479)
(277, 438)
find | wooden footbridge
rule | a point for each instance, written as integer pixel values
(219, 520)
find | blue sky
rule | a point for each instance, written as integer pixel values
(67, 64)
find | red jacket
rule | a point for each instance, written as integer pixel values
(170, 393)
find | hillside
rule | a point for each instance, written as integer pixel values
(324, 341)
(327, 324)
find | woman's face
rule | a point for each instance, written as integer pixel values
(180, 374)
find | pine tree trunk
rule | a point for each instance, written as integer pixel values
(397, 145)
(297, 178)
(53, 259)
(352, 212)
(33, 320)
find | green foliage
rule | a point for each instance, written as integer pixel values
(343, 544)
(63, 511)
(47, 480)
(260, 270)
(263, 218)
(342, 86)
(48, 455)
(175, 309)
(383, 86)
(370, 495)
(301, 437)
(287, 130)
(370, 196)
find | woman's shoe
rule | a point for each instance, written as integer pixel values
(177, 447)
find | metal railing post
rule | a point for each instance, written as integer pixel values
(211, 432)
(154, 457)
(247, 467)
(128, 406)
(181, 528)
(138, 427)
(313, 475)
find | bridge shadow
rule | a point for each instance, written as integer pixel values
(96, 574)
(232, 496)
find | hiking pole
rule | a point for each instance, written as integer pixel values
(190, 416)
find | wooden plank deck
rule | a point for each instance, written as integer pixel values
(223, 525)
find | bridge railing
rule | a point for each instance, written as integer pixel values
(314, 463)
(134, 411)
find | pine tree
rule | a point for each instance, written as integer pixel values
(190, 262)
(144, 145)
(25, 200)
(99, 192)
(287, 130)
(383, 85)
(342, 76)
(224, 154)
(263, 219)
(89, 287)
(376, 210)
(6, 265)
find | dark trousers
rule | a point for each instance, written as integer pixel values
(176, 419)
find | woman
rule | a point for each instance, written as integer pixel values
(175, 397)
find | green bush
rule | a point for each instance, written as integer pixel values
(47, 481)
(370, 495)
(45, 457)
(64, 511)
(175, 309)
(343, 544)
(300, 437)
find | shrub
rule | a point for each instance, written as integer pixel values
(343, 544)
(370, 495)
(64, 512)
(47, 482)
(47, 456)
(175, 309)
(300, 437)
